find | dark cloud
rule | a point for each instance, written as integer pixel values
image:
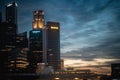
(95, 24)
(64, 44)
(110, 48)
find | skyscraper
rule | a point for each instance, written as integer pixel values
(36, 39)
(17, 61)
(8, 31)
(53, 44)
(7, 43)
(11, 13)
(36, 45)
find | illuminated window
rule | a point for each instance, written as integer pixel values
(34, 25)
(54, 27)
(57, 78)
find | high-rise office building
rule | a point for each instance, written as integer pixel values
(11, 13)
(53, 44)
(8, 31)
(8, 34)
(8, 43)
(36, 45)
(36, 48)
(36, 39)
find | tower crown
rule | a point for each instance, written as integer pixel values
(38, 19)
(11, 12)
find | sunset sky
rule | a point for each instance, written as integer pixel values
(90, 29)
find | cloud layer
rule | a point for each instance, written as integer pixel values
(90, 29)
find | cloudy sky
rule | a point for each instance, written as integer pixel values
(90, 29)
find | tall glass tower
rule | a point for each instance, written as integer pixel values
(11, 13)
(37, 40)
(53, 44)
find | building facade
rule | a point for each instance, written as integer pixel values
(22, 51)
(8, 43)
(36, 45)
(53, 44)
(8, 32)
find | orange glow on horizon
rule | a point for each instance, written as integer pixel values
(97, 65)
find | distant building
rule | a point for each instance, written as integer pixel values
(62, 64)
(53, 44)
(115, 68)
(75, 75)
(11, 13)
(0, 17)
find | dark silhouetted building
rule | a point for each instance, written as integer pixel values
(21, 40)
(0, 17)
(8, 44)
(53, 44)
(36, 46)
(8, 32)
(11, 13)
(21, 62)
(115, 68)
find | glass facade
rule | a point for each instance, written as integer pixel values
(36, 47)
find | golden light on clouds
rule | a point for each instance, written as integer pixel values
(97, 64)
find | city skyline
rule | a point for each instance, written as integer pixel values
(89, 30)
